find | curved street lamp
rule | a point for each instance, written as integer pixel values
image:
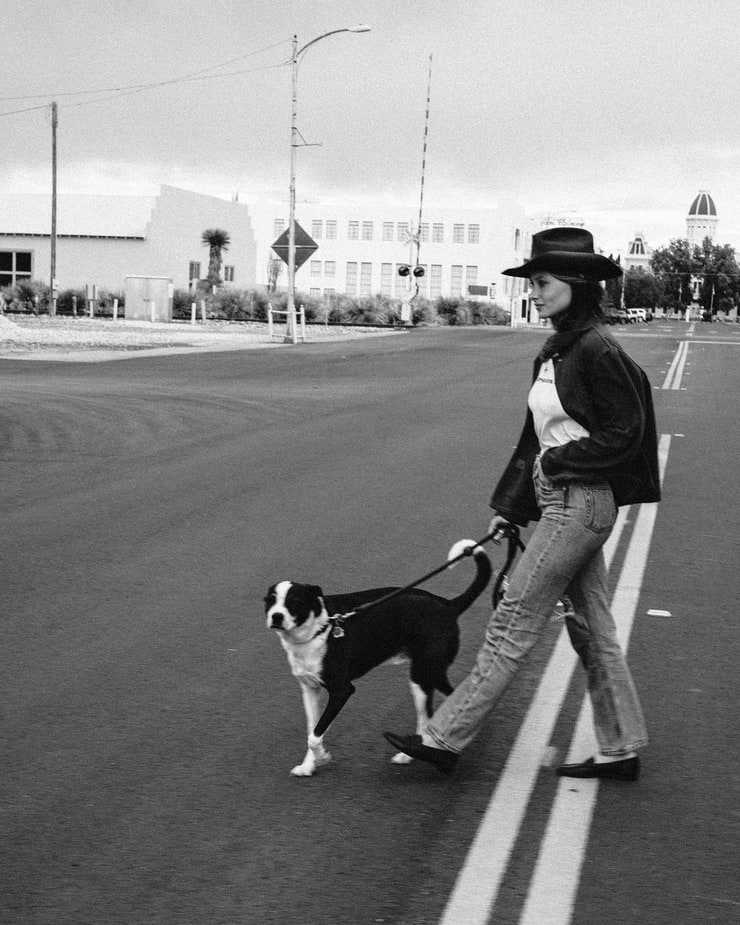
(297, 52)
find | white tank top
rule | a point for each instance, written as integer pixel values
(552, 425)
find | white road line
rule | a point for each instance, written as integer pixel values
(485, 865)
(673, 377)
(554, 885)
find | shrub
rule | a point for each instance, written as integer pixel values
(27, 296)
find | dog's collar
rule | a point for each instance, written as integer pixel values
(336, 623)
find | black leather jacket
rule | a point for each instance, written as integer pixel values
(606, 392)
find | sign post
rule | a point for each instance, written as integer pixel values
(303, 246)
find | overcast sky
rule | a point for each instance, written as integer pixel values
(619, 110)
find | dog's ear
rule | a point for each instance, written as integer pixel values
(316, 589)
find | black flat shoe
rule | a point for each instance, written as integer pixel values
(626, 769)
(412, 746)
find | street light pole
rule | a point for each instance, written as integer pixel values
(294, 60)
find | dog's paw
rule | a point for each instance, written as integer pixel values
(400, 758)
(311, 763)
(304, 770)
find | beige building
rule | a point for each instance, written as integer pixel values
(103, 239)
(362, 246)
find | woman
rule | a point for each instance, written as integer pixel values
(588, 446)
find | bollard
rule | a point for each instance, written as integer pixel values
(193, 318)
(115, 309)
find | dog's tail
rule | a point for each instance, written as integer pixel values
(483, 572)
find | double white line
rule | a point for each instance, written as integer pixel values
(675, 373)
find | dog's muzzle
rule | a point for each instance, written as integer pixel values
(276, 621)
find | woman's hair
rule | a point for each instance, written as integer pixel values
(585, 304)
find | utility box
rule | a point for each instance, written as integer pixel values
(148, 298)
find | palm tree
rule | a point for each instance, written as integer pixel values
(218, 241)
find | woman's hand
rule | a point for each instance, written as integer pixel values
(498, 527)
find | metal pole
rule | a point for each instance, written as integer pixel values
(291, 218)
(53, 274)
(292, 333)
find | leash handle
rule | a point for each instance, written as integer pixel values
(512, 534)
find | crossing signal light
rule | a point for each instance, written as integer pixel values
(405, 270)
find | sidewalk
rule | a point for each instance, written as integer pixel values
(94, 340)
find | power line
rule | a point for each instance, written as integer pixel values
(116, 92)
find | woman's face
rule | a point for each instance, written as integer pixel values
(550, 294)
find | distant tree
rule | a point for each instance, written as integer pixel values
(720, 276)
(217, 241)
(674, 265)
(715, 265)
(641, 289)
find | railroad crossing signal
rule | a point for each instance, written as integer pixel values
(404, 270)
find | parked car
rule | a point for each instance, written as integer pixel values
(637, 314)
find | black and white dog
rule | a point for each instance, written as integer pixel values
(325, 653)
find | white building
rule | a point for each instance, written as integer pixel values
(702, 220)
(103, 239)
(638, 254)
(362, 245)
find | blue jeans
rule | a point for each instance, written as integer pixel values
(564, 556)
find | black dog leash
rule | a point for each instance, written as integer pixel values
(515, 544)
(510, 531)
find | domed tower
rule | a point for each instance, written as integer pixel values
(638, 253)
(701, 222)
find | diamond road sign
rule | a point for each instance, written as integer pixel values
(304, 246)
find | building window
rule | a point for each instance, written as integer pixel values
(458, 234)
(228, 274)
(366, 278)
(330, 292)
(423, 281)
(351, 286)
(367, 231)
(473, 234)
(14, 266)
(386, 278)
(315, 293)
(194, 270)
(278, 227)
(330, 268)
(331, 230)
(438, 233)
(471, 277)
(424, 232)
(435, 281)
(401, 282)
(456, 280)
(353, 231)
(387, 231)
(402, 232)
(317, 229)
(315, 268)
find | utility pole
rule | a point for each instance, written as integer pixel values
(53, 275)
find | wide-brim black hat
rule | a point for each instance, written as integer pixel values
(567, 252)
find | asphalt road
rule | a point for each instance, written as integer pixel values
(149, 720)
